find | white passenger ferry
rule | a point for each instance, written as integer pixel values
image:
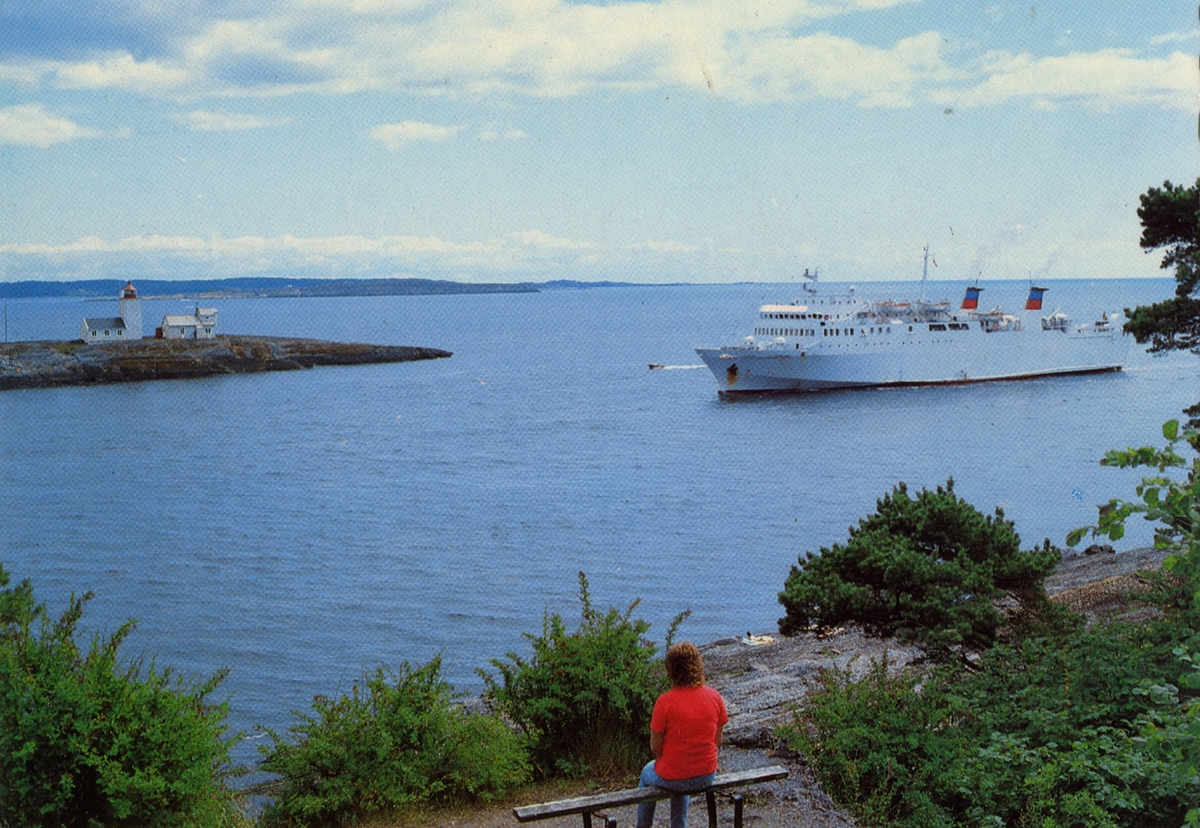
(826, 342)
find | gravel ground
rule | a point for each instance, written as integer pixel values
(763, 681)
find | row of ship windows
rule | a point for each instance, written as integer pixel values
(824, 332)
(934, 326)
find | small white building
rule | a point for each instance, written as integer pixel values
(116, 328)
(200, 325)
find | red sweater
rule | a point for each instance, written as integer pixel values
(688, 718)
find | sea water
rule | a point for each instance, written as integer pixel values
(302, 527)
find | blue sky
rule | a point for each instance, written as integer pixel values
(526, 140)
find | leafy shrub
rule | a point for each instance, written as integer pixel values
(929, 569)
(1092, 723)
(397, 740)
(1048, 734)
(1174, 504)
(1063, 726)
(87, 741)
(882, 749)
(585, 697)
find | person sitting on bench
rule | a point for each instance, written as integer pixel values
(685, 733)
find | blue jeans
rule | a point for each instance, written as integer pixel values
(679, 804)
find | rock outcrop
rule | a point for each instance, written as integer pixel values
(52, 363)
(765, 677)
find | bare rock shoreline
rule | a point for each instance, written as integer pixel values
(45, 364)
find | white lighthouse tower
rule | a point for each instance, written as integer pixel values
(131, 311)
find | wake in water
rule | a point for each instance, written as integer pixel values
(654, 366)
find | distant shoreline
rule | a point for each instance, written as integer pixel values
(252, 287)
(275, 287)
(55, 363)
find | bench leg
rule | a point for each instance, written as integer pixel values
(587, 820)
(711, 798)
(738, 802)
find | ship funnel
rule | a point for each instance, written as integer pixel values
(971, 300)
(1034, 302)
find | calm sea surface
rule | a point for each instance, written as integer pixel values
(301, 527)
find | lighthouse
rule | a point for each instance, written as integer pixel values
(130, 308)
(116, 328)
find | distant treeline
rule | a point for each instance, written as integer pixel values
(263, 287)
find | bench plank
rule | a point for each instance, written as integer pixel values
(632, 796)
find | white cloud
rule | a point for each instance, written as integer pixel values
(777, 50)
(531, 255)
(33, 125)
(396, 136)
(1176, 37)
(526, 255)
(824, 66)
(202, 120)
(119, 70)
(1099, 79)
(471, 47)
(537, 241)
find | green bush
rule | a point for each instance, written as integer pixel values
(929, 569)
(1060, 726)
(881, 748)
(1087, 731)
(1089, 724)
(396, 741)
(1173, 504)
(585, 697)
(86, 741)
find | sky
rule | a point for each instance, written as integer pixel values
(528, 140)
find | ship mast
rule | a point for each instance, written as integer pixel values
(924, 273)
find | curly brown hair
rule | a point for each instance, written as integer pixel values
(685, 665)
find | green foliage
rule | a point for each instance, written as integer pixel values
(1084, 731)
(87, 741)
(929, 570)
(880, 747)
(396, 741)
(1171, 502)
(1065, 726)
(1171, 219)
(584, 697)
(1078, 731)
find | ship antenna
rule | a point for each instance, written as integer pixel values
(924, 273)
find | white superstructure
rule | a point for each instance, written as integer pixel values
(844, 341)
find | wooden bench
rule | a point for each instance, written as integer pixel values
(589, 805)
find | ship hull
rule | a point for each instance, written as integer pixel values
(930, 359)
